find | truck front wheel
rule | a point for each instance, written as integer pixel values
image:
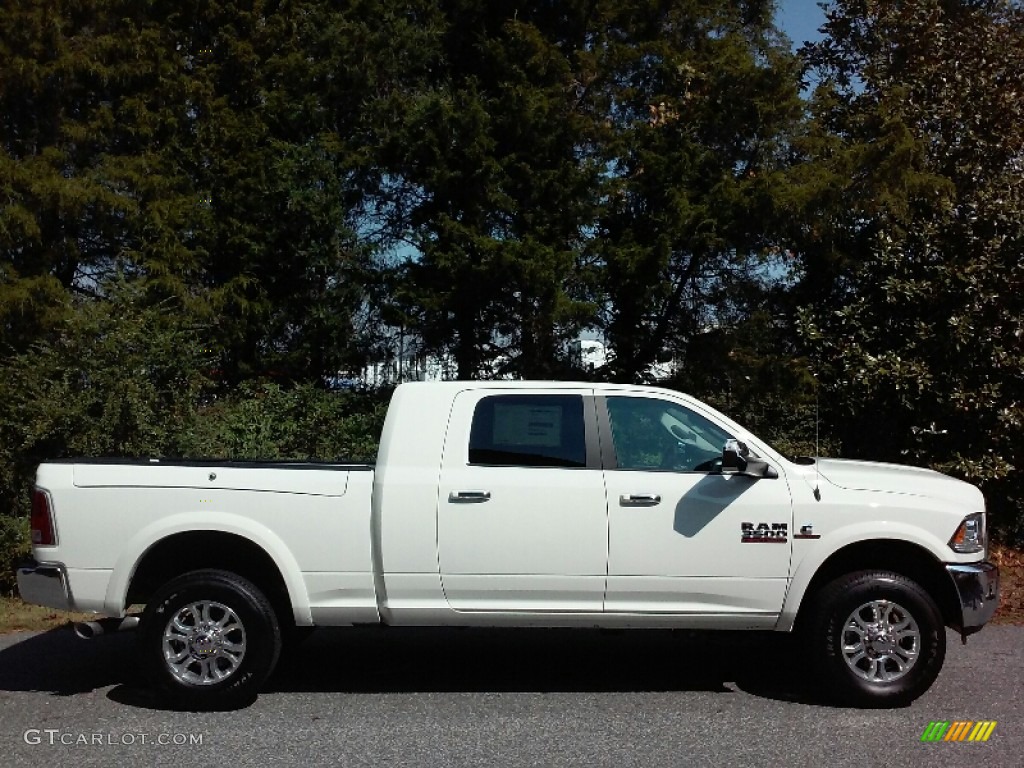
(209, 639)
(877, 639)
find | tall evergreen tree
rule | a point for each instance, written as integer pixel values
(698, 99)
(60, 214)
(584, 164)
(268, 230)
(200, 146)
(487, 183)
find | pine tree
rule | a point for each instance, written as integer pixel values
(699, 98)
(487, 183)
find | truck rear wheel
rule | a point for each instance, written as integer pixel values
(877, 639)
(209, 639)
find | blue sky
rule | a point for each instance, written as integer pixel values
(800, 20)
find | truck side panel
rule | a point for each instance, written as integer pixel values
(320, 543)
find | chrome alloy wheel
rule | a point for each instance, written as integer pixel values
(204, 643)
(881, 641)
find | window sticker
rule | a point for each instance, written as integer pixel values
(533, 425)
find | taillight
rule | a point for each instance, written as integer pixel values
(43, 534)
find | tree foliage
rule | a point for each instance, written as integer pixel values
(125, 378)
(489, 182)
(212, 211)
(190, 144)
(590, 164)
(698, 100)
(113, 378)
(919, 134)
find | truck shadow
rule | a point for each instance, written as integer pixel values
(418, 660)
(59, 663)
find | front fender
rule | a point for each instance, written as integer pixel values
(190, 522)
(834, 541)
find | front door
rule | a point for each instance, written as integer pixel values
(683, 537)
(521, 516)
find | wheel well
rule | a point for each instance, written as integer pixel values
(192, 550)
(900, 557)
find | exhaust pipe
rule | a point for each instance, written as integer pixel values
(87, 630)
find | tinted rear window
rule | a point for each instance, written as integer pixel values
(529, 430)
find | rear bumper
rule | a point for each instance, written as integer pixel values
(45, 584)
(977, 585)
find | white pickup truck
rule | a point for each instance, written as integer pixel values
(520, 504)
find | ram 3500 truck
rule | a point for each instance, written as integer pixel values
(521, 504)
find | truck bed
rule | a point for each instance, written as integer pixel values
(311, 518)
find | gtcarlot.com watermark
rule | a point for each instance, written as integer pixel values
(55, 736)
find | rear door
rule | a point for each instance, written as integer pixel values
(522, 520)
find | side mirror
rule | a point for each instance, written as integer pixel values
(734, 456)
(736, 460)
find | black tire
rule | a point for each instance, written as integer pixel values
(206, 655)
(842, 675)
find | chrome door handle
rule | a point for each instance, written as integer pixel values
(640, 500)
(469, 497)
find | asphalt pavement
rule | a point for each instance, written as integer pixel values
(435, 698)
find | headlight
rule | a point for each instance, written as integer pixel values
(970, 536)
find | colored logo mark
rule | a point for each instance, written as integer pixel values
(958, 730)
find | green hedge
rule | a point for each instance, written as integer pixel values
(124, 378)
(14, 548)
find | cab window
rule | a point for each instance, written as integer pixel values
(528, 430)
(651, 434)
